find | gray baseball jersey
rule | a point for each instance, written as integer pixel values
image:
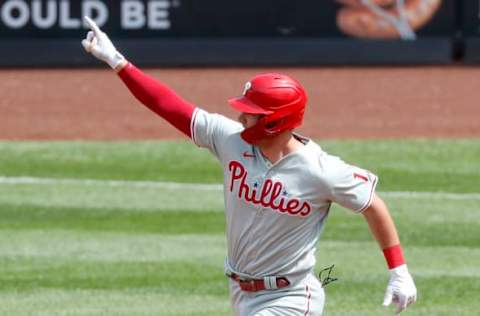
(275, 212)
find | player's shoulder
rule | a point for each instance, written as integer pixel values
(322, 158)
(213, 126)
(324, 164)
(215, 119)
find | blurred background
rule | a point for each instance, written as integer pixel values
(107, 210)
(246, 33)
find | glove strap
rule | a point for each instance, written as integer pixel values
(394, 256)
(115, 60)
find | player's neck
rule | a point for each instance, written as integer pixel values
(278, 147)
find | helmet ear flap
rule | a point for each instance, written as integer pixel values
(273, 124)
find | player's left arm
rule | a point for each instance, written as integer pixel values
(401, 289)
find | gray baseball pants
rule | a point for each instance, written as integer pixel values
(305, 298)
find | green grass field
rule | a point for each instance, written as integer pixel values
(130, 243)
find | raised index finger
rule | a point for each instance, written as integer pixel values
(92, 25)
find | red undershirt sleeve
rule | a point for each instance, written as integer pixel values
(159, 98)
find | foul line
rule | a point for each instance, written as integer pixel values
(112, 183)
(208, 187)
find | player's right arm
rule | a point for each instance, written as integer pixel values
(354, 188)
(156, 96)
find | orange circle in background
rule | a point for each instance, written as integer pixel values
(356, 20)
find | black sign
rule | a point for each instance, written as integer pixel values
(471, 31)
(242, 32)
(471, 18)
(221, 18)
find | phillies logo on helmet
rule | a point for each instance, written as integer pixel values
(248, 86)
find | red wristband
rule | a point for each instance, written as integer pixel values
(394, 256)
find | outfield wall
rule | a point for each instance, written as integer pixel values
(247, 32)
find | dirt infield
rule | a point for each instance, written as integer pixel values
(344, 102)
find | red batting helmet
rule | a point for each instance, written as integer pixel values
(280, 99)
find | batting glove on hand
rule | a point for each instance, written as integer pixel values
(401, 289)
(99, 45)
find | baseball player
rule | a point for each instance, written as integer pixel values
(278, 189)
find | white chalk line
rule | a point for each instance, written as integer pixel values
(112, 183)
(206, 187)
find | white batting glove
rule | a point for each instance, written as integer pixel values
(401, 289)
(99, 45)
